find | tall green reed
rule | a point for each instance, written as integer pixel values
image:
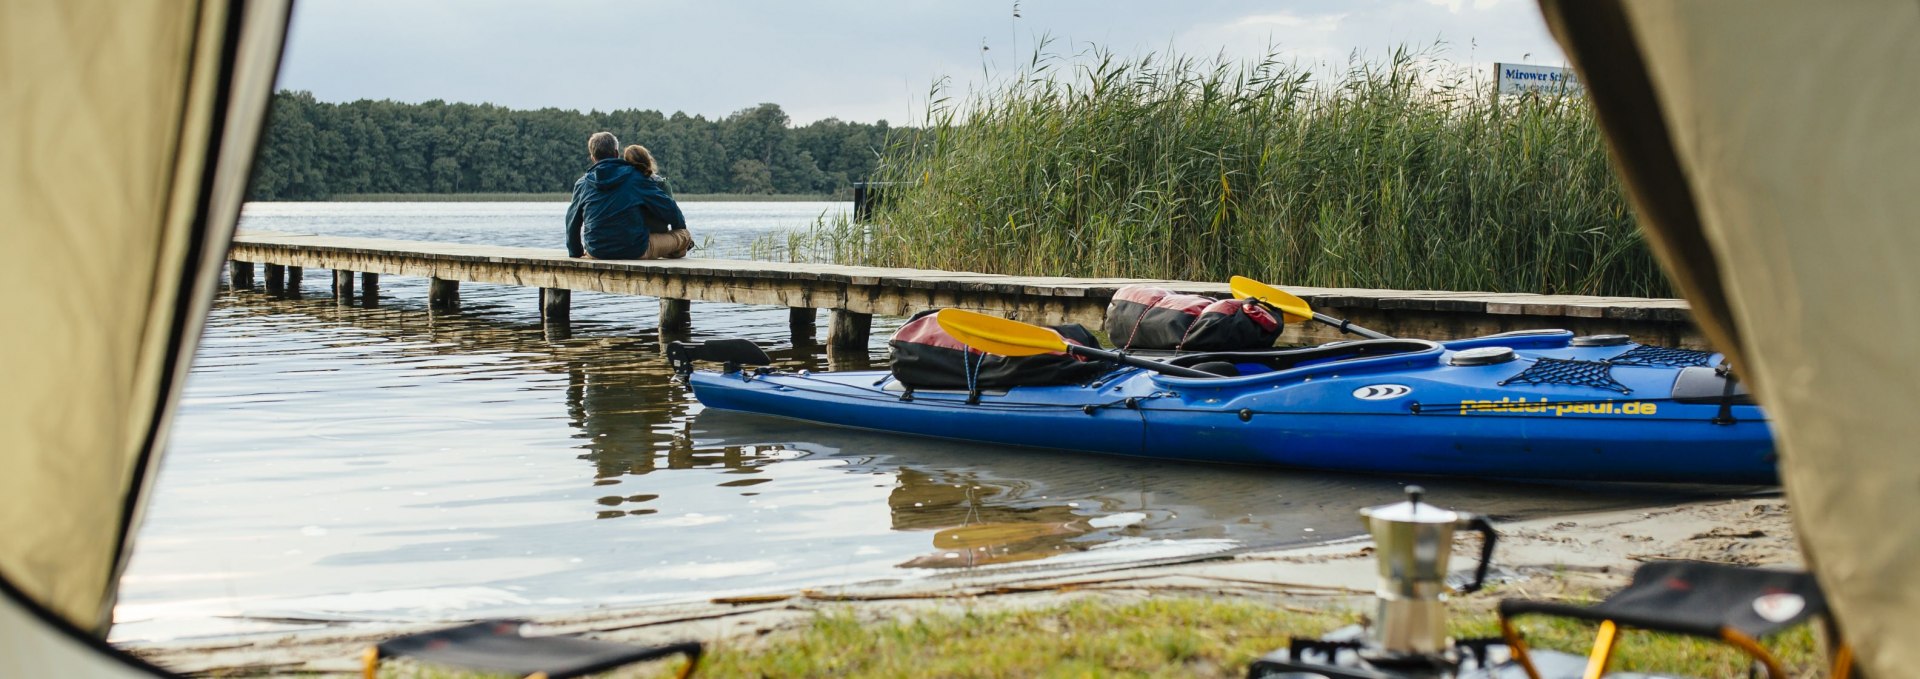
(1394, 173)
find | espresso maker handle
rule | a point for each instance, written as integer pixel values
(1489, 536)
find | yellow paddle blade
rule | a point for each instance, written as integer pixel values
(996, 335)
(1293, 308)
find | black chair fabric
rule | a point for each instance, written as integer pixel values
(1698, 599)
(498, 646)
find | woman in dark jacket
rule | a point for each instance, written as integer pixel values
(666, 227)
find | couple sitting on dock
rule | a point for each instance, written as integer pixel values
(621, 208)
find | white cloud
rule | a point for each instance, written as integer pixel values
(1323, 22)
(1454, 6)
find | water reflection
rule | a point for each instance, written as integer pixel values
(630, 417)
(398, 462)
(983, 505)
(977, 522)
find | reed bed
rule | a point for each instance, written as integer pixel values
(1392, 173)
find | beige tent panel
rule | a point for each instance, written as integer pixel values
(130, 128)
(1796, 129)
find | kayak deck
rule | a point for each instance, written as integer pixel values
(1382, 406)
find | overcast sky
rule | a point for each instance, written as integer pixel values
(850, 59)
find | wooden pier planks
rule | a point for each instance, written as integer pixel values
(861, 291)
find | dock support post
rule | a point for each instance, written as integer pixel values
(343, 286)
(276, 278)
(240, 275)
(443, 293)
(849, 360)
(369, 289)
(293, 280)
(848, 330)
(675, 313)
(556, 306)
(801, 323)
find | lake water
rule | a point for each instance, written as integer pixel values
(336, 464)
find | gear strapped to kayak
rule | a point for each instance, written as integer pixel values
(1142, 317)
(925, 356)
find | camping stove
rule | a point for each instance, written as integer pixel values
(1344, 655)
(1407, 637)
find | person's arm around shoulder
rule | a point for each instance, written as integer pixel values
(576, 219)
(662, 205)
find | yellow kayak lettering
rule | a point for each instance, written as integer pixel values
(1522, 405)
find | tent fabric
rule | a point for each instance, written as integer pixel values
(1787, 202)
(130, 130)
(36, 643)
(1616, 78)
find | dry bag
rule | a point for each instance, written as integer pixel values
(924, 356)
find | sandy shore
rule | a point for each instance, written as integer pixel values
(1541, 558)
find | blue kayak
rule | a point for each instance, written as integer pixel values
(1535, 405)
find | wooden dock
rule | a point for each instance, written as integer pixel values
(856, 293)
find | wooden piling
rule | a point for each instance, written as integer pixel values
(240, 275)
(802, 324)
(556, 306)
(343, 286)
(848, 330)
(276, 278)
(866, 197)
(369, 289)
(851, 360)
(443, 293)
(675, 313)
(293, 280)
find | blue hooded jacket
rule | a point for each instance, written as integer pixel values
(612, 205)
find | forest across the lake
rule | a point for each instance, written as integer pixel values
(316, 150)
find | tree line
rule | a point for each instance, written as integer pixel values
(314, 150)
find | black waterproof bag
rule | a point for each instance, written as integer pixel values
(1233, 325)
(924, 356)
(1143, 317)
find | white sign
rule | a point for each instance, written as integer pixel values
(1546, 80)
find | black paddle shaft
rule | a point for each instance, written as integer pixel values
(1343, 325)
(1137, 362)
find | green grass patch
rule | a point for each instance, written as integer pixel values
(1161, 637)
(1166, 637)
(564, 197)
(1396, 173)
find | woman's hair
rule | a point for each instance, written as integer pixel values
(641, 159)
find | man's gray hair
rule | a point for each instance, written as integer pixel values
(603, 145)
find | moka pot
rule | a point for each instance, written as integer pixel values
(1412, 541)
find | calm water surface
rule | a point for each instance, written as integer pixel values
(335, 464)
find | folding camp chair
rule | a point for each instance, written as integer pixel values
(1732, 604)
(499, 646)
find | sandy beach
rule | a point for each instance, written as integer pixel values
(1535, 559)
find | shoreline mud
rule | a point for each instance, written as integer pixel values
(1541, 558)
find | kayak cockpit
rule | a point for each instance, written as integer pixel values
(1232, 364)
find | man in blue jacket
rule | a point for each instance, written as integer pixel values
(611, 203)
